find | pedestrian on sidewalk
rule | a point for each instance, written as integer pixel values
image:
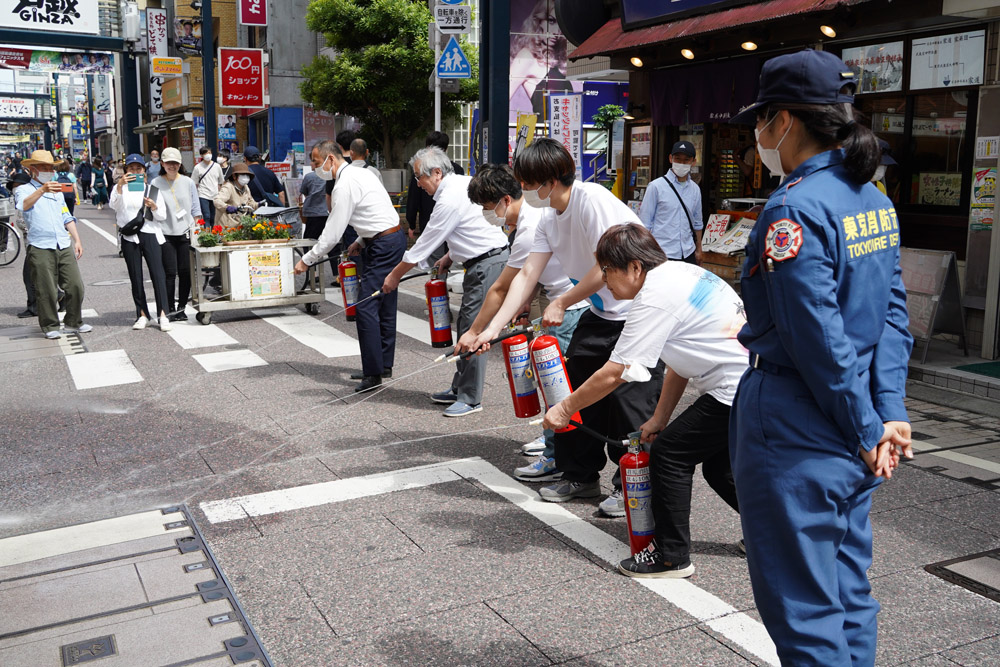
(99, 183)
(53, 246)
(17, 180)
(686, 318)
(153, 168)
(180, 199)
(360, 199)
(147, 243)
(234, 199)
(265, 186)
(208, 176)
(819, 420)
(84, 175)
(482, 249)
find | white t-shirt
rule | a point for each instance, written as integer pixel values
(208, 176)
(553, 277)
(689, 318)
(571, 237)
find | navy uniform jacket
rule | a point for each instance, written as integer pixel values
(824, 295)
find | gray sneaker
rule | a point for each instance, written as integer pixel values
(542, 469)
(613, 505)
(563, 491)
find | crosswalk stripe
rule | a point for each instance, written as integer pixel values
(214, 362)
(414, 327)
(111, 239)
(311, 332)
(102, 369)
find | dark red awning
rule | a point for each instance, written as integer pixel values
(610, 38)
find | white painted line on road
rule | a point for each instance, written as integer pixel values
(229, 360)
(413, 327)
(102, 369)
(36, 546)
(311, 332)
(707, 608)
(191, 335)
(86, 313)
(957, 457)
(111, 239)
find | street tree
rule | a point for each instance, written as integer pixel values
(379, 70)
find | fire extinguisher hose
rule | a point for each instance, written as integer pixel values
(465, 355)
(586, 429)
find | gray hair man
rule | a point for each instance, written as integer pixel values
(478, 245)
(359, 199)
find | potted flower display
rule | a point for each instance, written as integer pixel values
(209, 237)
(253, 230)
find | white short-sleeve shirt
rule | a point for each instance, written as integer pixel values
(571, 237)
(553, 277)
(689, 318)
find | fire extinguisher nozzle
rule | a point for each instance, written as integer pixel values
(536, 422)
(375, 294)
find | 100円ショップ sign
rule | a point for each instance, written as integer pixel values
(241, 78)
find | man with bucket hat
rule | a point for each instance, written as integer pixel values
(819, 421)
(53, 246)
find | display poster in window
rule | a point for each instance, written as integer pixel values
(984, 199)
(878, 68)
(642, 140)
(939, 188)
(946, 61)
(566, 126)
(227, 126)
(265, 273)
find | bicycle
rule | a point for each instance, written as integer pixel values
(10, 243)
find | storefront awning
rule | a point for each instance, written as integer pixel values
(161, 123)
(611, 39)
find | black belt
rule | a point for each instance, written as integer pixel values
(759, 363)
(486, 255)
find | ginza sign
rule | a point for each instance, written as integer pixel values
(241, 78)
(50, 15)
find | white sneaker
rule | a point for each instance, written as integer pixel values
(535, 447)
(53, 335)
(140, 323)
(542, 469)
(165, 324)
(83, 328)
(613, 505)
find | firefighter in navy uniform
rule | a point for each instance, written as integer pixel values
(819, 421)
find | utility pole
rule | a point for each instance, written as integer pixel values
(208, 77)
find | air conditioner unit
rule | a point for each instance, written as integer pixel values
(131, 31)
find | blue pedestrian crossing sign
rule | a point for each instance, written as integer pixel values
(453, 64)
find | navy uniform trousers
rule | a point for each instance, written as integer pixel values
(376, 318)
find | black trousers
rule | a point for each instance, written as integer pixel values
(581, 457)
(133, 253)
(376, 319)
(29, 286)
(700, 434)
(177, 262)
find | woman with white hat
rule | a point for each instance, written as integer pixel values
(180, 199)
(147, 242)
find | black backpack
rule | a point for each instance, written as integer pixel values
(69, 196)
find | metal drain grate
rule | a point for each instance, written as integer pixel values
(88, 650)
(979, 573)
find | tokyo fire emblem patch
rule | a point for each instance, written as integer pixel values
(784, 239)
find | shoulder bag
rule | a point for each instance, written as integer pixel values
(683, 206)
(134, 225)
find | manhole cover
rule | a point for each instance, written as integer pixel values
(88, 650)
(980, 573)
(111, 283)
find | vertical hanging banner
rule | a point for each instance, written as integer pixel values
(566, 125)
(157, 30)
(252, 12)
(241, 78)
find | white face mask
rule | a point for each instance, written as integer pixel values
(221, 159)
(45, 176)
(771, 157)
(879, 173)
(326, 175)
(680, 170)
(155, 158)
(243, 180)
(495, 218)
(207, 157)
(532, 198)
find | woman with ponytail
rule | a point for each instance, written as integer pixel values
(818, 422)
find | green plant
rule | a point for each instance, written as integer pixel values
(209, 237)
(252, 228)
(606, 116)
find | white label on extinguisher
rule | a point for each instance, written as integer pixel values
(639, 494)
(551, 375)
(440, 313)
(352, 286)
(520, 367)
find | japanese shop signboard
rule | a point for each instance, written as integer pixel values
(241, 78)
(252, 12)
(16, 107)
(50, 15)
(566, 125)
(157, 30)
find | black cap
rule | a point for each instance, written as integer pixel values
(251, 153)
(683, 148)
(806, 77)
(886, 152)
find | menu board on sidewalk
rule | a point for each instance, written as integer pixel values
(933, 297)
(733, 241)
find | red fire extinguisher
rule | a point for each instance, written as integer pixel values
(520, 376)
(638, 495)
(350, 285)
(550, 369)
(439, 309)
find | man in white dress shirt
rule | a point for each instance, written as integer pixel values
(478, 245)
(359, 199)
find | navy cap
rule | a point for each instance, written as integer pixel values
(806, 77)
(886, 150)
(251, 153)
(135, 158)
(683, 148)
